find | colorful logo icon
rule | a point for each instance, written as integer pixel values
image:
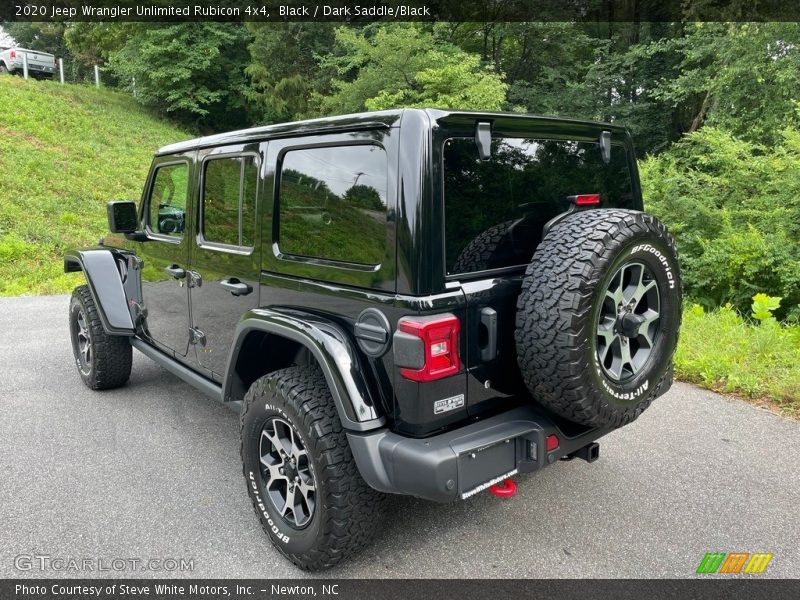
(736, 562)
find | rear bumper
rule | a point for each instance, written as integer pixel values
(462, 462)
(18, 66)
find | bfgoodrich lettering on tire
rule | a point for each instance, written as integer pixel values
(598, 316)
(300, 473)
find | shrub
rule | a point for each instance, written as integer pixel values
(734, 208)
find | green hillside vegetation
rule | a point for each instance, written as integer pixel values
(64, 152)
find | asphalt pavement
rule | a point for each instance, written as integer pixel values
(151, 471)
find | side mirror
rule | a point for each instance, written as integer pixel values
(122, 216)
(483, 139)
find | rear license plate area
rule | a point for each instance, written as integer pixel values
(481, 466)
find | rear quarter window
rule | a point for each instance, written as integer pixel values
(333, 203)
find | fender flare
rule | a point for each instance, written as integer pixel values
(99, 266)
(331, 348)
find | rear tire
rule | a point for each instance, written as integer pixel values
(598, 316)
(3, 70)
(104, 361)
(316, 509)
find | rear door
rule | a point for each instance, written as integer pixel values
(495, 211)
(225, 262)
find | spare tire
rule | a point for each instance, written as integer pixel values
(486, 251)
(598, 316)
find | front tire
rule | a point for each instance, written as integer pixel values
(104, 361)
(300, 472)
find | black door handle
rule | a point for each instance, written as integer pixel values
(236, 287)
(175, 271)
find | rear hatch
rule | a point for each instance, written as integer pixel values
(494, 212)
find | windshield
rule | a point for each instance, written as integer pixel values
(495, 209)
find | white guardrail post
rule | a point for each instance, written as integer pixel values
(96, 76)
(61, 70)
(25, 65)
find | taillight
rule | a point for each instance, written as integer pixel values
(586, 199)
(439, 337)
(552, 442)
(13, 54)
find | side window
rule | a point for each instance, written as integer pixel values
(229, 200)
(333, 203)
(167, 205)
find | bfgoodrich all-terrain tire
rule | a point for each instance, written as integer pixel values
(488, 250)
(104, 361)
(300, 473)
(598, 316)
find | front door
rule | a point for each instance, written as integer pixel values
(165, 296)
(225, 261)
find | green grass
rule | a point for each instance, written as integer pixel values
(64, 152)
(723, 352)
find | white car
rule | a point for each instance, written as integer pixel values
(40, 64)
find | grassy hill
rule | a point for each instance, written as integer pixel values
(65, 150)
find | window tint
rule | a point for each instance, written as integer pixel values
(495, 210)
(229, 200)
(333, 203)
(167, 213)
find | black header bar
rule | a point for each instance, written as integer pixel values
(400, 10)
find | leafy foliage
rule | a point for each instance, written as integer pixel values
(734, 207)
(187, 69)
(404, 65)
(283, 70)
(763, 306)
(721, 351)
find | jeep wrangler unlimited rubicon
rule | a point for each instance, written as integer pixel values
(415, 302)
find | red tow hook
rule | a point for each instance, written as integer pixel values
(504, 489)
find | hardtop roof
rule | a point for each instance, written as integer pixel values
(368, 120)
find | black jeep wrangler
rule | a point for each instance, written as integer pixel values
(414, 302)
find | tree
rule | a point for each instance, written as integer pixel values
(283, 69)
(192, 71)
(378, 67)
(743, 77)
(364, 196)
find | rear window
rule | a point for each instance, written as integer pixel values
(495, 209)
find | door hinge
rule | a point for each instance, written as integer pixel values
(197, 337)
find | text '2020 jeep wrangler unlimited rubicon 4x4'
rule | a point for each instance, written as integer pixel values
(415, 302)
